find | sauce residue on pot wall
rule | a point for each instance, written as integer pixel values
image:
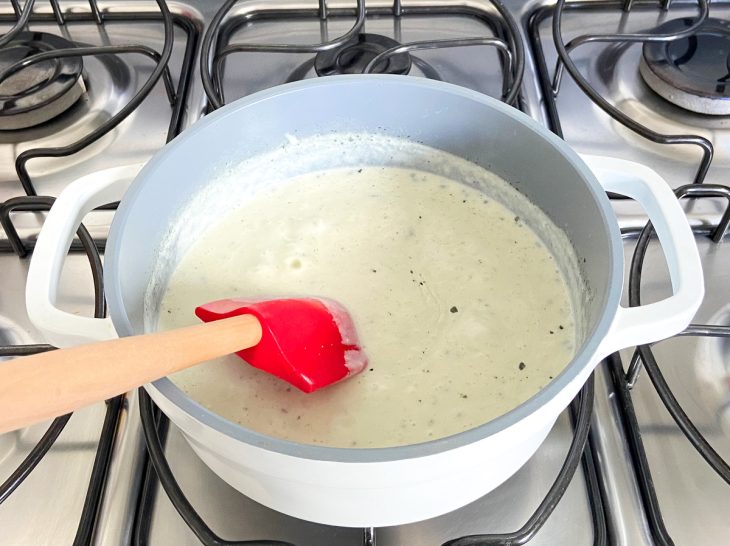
(460, 306)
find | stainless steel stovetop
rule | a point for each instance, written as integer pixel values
(95, 483)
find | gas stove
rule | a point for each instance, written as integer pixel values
(644, 81)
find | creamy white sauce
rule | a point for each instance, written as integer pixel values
(461, 309)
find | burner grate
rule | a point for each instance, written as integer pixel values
(644, 353)
(550, 86)
(114, 406)
(160, 59)
(155, 426)
(581, 410)
(216, 46)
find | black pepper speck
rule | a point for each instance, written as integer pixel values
(522, 366)
(454, 309)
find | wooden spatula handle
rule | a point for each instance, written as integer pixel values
(38, 387)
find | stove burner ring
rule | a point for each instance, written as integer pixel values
(353, 56)
(42, 91)
(694, 72)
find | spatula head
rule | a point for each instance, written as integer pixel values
(308, 342)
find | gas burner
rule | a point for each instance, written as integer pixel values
(42, 91)
(353, 56)
(693, 72)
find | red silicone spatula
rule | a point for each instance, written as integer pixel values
(309, 342)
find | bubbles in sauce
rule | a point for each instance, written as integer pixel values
(461, 308)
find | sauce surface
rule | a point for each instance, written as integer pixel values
(460, 307)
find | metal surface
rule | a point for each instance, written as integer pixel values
(222, 507)
(624, 513)
(613, 71)
(689, 493)
(31, 514)
(116, 517)
(111, 81)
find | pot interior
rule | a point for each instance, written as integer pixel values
(266, 130)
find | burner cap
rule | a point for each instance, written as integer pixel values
(694, 72)
(353, 56)
(41, 91)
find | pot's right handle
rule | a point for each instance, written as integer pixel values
(655, 321)
(59, 327)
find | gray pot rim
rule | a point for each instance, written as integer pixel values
(584, 357)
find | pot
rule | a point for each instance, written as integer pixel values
(385, 486)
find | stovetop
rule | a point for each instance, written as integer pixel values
(97, 484)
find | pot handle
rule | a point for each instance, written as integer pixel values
(61, 328)
(655, 321)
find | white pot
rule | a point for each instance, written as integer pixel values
(389, 486)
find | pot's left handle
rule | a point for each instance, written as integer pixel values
(61, 328)
(662, 319)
